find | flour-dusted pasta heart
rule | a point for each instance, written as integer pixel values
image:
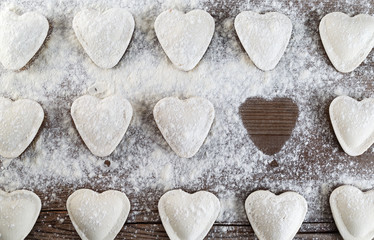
(347, 40)
(184, 37)
(18, 213)
(21, 36)
(102, 123)
(353, 212)
(19, 123)
(353, 123)
(104, 36)
(188, 216)
(98, 216)
(275, 216)
(264, 36)
(184, 123)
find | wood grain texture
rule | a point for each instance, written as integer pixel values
(269, 122)
(57, 225)
(272, 126)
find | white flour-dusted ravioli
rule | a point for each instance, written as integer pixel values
(98, 216)
(104, 36)
(264, 36)
(275, 216)
(184, 123)
(188, 216)
(21, 36)
(353, 212)
(19, 211)
(19, 123)
(102, 123)
(184, 37)
(347, 40)
(353, 123)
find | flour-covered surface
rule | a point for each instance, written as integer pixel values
(285, 214)
(184, 124)
(264, 36)
(104, 35)
(185, 37)
(98, 216)
(228, 164)
(101, 123)
(353, 123)
(188, 216)
(347, 201)
(21, 37)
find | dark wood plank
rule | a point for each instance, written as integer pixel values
(274, 117)
(269, 122)
(57, 225)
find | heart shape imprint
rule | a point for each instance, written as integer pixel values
(353, 211)
(98, 216)
(188, 216)
(279, 113)
(184, 37)
(275, 216)
(264, 36)
(19, 123)
(19, 211)
(184, 123)
(104, 36)
(353, 123)
(102, 123)
(347, 40)
(21, 36)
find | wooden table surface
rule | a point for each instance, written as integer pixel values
(269, 123)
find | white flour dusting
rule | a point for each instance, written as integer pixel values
(228, 164)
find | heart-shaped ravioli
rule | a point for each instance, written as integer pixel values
(98, 216)
(347, 40)
(353, 212)
(275, 216)
(104, 36)
(264, 36)
(184, 123)
(184, 37)
(188, 216)
(21, 36)
(353, 123)
(102, 123)
(19, 211)
(19, 123)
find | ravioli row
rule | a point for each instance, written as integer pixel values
(190, 216)
(185, 38)
(184, 124)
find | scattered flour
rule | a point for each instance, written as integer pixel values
(228, 164)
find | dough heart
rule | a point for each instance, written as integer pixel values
(20, 37)
(19, 123)
(184, 37)
(102, 123)
(188, 216)
(275, 216)
(347, 40)
(19, 211)
(104, 36)
(353, 212)
(184, 123)
(353, 123)
(264, 36)
(98, 216)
